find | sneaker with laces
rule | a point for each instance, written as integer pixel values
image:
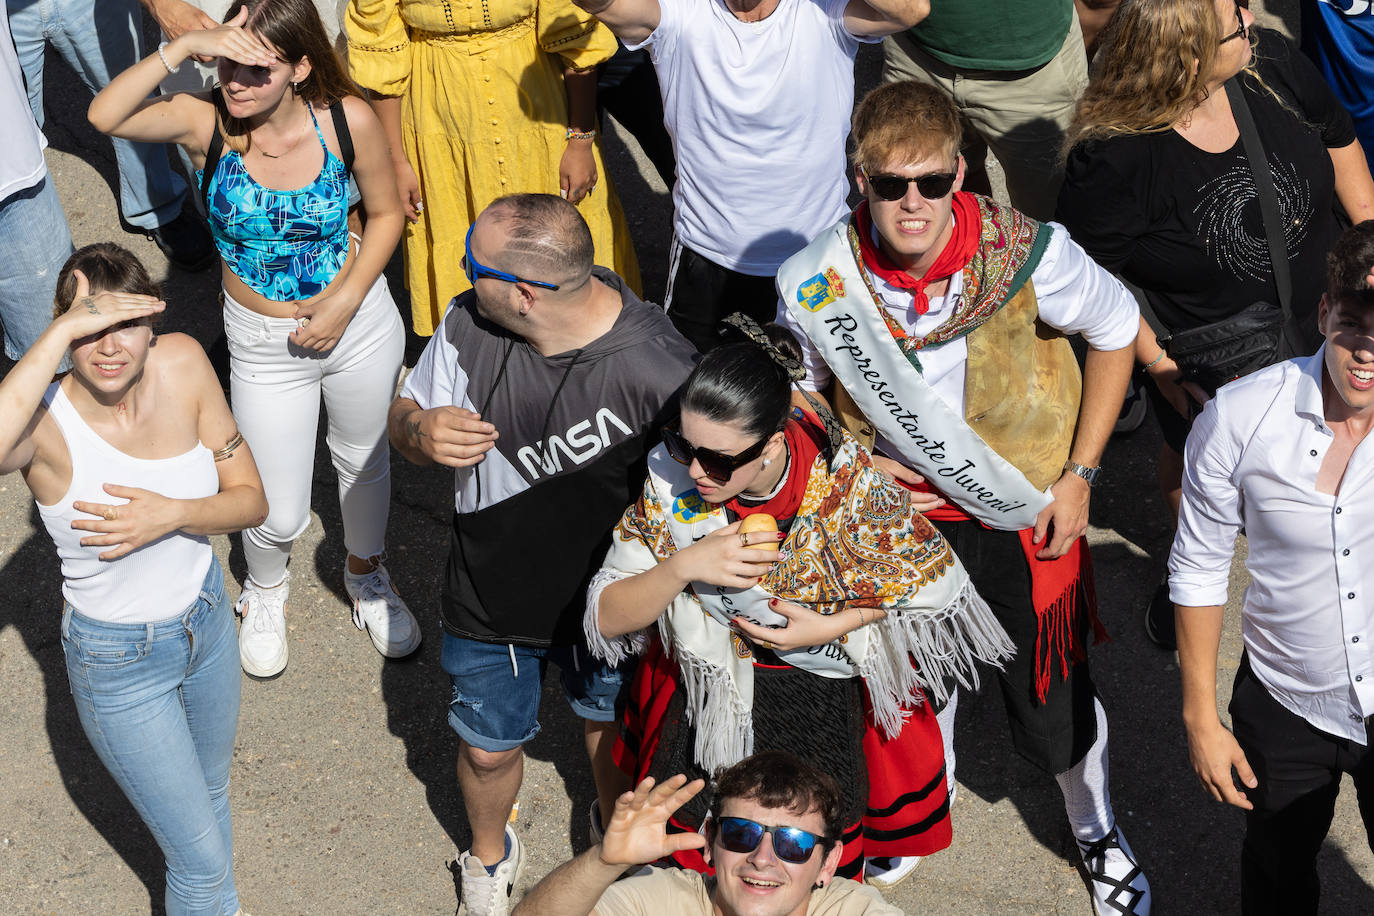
(1119, 887)
(490, 894)
(262, 635)
(379, 610)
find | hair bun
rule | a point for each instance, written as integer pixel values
(749, 328)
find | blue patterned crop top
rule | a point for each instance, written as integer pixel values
(285, 245)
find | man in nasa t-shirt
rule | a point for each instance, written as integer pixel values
(544, 388)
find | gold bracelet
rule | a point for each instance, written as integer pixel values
(220, 454)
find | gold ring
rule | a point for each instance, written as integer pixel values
(109, 513)
(303, 323)
(743, 539)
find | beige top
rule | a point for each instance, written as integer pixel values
(680, 892)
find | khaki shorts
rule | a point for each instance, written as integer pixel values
(1021, 115)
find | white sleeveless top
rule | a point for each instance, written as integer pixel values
(158, 580)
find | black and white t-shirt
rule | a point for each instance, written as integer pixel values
(1185, 224)
(532, 520)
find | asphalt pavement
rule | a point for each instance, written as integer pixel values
(343, 787)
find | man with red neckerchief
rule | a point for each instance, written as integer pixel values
(941, 318)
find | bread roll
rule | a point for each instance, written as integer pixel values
(759, 521)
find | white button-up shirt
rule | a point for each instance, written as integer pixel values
(1308, 617)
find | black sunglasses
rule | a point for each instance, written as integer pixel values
(791, 844)
(718, 467)
(893, 187)
(1244, 30)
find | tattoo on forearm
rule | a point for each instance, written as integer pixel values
(413, 427)
(229, 447)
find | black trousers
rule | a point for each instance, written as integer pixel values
(701, 293)
(1299, 770)
(1053, 735)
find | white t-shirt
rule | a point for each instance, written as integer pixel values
(1073, 294)
(759, 115)
(22, 165)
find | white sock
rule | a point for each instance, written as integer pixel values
(945, 719)
(1087, 801)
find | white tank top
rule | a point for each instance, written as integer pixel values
(158, 580)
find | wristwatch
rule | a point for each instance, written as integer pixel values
(1089, 474)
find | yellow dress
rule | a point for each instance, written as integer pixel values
(484, 114)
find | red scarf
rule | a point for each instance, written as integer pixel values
(956, 254)
(803, 439)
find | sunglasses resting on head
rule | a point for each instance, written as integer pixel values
(475, 270)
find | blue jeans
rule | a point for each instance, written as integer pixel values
(99, 39)
(36, 243)
(160, 704)
(496, 687)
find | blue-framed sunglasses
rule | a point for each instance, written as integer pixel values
(791, 844)
(474, 270)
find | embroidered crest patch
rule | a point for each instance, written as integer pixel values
(688, 507)
(821, 290)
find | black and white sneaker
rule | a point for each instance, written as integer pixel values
(1119, 887)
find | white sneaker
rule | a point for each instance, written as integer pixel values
(381, 612)
(489, 895)
(262, 635)
(888, 871)
(1119, 887)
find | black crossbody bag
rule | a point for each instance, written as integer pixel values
(1260, 334)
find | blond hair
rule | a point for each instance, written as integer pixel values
(909, 120)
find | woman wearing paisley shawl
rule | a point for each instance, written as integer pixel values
(824, 639)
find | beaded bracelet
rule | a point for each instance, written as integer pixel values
(1151, 363)
(581, 134)
(163, 57)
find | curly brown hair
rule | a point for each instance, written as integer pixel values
(1150, 71)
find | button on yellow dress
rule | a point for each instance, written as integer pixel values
(484, 114)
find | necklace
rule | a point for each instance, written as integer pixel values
(300, 135)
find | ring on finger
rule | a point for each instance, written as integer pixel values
(743, 539)
(108, 513)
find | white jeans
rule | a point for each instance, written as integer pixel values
(275, 390)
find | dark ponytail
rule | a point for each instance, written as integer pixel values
(748, 383)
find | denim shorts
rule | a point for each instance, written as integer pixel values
(496, 689)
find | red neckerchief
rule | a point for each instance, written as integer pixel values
(956, 254)
(803, 445)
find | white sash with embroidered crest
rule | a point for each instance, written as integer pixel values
(827, 296)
